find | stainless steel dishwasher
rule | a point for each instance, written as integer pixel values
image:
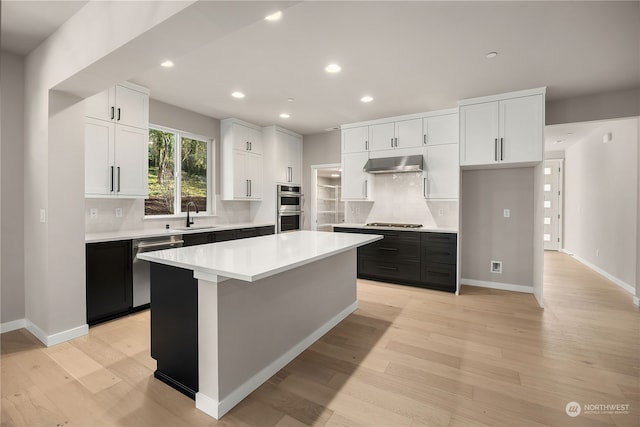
(141, 281)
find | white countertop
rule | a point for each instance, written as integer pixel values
(427, 229)
(259, 257)
(111, 236)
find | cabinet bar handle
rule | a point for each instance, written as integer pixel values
(250, 146)
(495, 149)
(391, 142)
(247, 189)
(250, 189)
(366, 184)
(424, 138)
(118, 179)
(366, 145)
(113, 112)
(382, 267)
(118, 113)
(388, 249)
(111, 178)
(501, 149)
(396, 142)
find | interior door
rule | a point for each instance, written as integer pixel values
(553, 204)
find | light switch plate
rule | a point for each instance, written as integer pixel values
(118, 212)
(440, 212)
(507, 213)
(93, 213)
(43, 215)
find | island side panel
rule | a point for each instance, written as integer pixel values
(263, 325)
(174, 327)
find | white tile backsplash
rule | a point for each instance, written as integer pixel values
(227, 212)
(399, 198)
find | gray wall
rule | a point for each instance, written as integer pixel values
(318, 149)
(610, 105)
(601, 192)
(12, 189)
(487, 235)
(638, 222)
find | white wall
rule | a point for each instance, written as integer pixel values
(601, 200)
(12, 189)
(488, 236)
(609, 105)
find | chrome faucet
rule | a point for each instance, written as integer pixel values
(190, 221)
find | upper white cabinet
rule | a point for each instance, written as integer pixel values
(440, 129)
(288, 154)
(125, 104)
(398, 134)
(441, 172)
(116, 153)
(355, 140)
(356, 184)
(242, 162)
(502, 130)
(246, 137)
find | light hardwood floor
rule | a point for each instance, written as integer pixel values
(406, 357)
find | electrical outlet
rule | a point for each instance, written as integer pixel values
(440, 212)
(496, 267)
(597, 252)
(93, 213)
(43, 215)
(507, 213)
(118, 212)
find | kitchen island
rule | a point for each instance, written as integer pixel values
(227, 316)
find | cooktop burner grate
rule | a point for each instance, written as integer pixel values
(390, 224)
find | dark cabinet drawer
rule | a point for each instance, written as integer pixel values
(197, 239)
(437, 253)
(245, 233)
(439, 276)
(447, 238)
(375, 267)
(265, 231)
(225, 235)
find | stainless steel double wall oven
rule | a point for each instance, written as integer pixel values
(289, 209)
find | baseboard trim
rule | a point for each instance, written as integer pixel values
(498, 285)
(627, 287)
(57, 338)
(13, 325)
(217, 409)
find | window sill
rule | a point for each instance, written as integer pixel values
(180, 216)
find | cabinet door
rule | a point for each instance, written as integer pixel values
(131, 164)
(382, 136)
(408, 133)
(253, 169)
(355, 140)
(294, 150)
(132, 107)
(442, 172)
(240, 178)
(521, 127)
(288, 158)
(479, 134)
(101, 105)
(98, 157)
(355, 182)
(255, 140)
(440, 129)
(246, 138)
(108, 280)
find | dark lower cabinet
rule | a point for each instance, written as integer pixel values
(413, 258)
(174, 327)
(197, 239)
(108, 280)
(225, 235)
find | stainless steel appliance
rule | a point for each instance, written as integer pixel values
(392, 224)
(289, 208)
(141, 281)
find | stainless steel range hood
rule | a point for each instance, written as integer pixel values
(394, 164)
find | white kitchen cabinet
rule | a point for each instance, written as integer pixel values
(115, 160)
(441, 176)
(398, 134)
(356, 184)
(502, 130)
(246, 138)
(355, 139)
(241, 160)
(124, 104)
(288, 157)
(442, 129)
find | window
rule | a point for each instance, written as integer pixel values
(179, 172)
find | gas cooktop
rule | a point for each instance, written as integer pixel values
(390, 224)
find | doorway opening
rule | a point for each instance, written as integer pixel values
(553, 196)
(327, 208)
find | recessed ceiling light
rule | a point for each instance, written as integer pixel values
(167, 64)
(560, 141)
(238, 95)
(335, 175)
(274, 16)
(366, 98)
(290, 99)
(492, 55)
(333, 68)
(285, 115)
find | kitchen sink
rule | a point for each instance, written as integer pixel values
(197, 227)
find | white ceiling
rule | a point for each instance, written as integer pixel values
(410, 56)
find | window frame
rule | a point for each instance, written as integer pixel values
(177, 152)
